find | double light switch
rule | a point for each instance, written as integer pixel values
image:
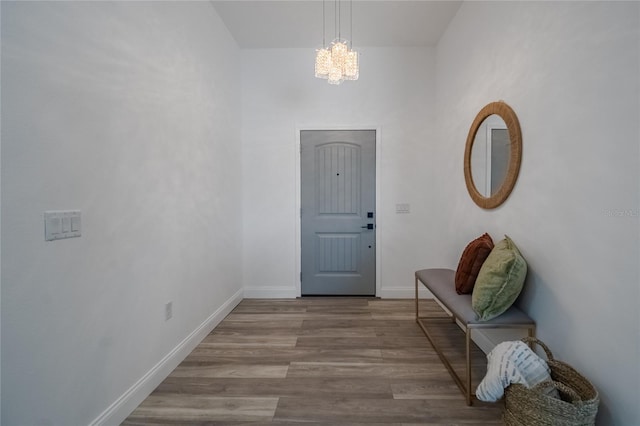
(62, 224)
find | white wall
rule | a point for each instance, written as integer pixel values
(130, 112)
(279, 94)
(571, 73)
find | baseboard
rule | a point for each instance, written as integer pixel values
(128, 401)
(291, 293)
(270, 293)
(403, 293)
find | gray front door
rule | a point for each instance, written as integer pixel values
(338, 212)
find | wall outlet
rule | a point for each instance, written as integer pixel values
(168, 311)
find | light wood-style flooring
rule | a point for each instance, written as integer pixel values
(325, 361)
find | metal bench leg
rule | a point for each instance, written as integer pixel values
(468, 345)
(417, 315)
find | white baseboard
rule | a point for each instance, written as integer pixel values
(128, 401)
(397, 293)
(270, 292)
(283, 292)
(404, 293)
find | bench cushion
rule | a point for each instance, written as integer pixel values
(441, 284)
(473, 256)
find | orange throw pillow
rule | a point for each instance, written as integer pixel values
(470, 263)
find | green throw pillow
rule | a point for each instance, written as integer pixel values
(499, 281)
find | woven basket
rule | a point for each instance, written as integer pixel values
(577, 406)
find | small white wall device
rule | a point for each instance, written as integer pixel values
(62, 224)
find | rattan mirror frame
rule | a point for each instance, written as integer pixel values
(515, 136)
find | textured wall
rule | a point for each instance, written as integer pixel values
(395, 92)
(570, 71)
(126, 112)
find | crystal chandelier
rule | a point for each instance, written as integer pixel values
(337, 62)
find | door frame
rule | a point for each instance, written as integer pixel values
(298, 206)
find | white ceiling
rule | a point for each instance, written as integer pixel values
(287, 24)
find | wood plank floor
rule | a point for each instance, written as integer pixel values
(325, 361)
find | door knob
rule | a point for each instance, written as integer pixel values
(368, 226)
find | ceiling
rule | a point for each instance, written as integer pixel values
(290, 24)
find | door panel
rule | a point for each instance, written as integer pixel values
(338, 195)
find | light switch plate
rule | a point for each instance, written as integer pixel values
(61, 224)
(403, 208)
(66, 225)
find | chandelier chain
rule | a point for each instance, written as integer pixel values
(339, 19)
(335, 19)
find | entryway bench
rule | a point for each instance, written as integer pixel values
(440, 282)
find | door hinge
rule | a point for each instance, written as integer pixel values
(300, 276)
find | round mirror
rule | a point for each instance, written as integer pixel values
(492, 155)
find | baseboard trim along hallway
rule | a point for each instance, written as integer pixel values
(128, 401)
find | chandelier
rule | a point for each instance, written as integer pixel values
(337, 62)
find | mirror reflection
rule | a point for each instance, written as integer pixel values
(490, 155)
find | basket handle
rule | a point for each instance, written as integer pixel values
(531, 340)
(573, 395)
